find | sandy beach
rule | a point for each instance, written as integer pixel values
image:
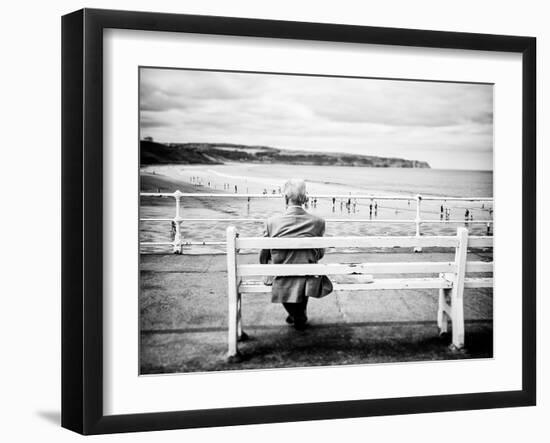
(357, 218)
(256, 178)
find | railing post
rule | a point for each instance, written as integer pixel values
(457, 293)
(177, 221)
(232, 294)
(417, 221)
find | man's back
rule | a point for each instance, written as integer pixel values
(296, 222)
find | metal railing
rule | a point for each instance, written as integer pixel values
(178, 243)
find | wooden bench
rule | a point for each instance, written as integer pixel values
(449, 277)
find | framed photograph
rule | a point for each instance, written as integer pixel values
(268, 221)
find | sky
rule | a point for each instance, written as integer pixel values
(449, 125)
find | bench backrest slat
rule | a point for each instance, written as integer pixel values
(345, 242)
(346, 268)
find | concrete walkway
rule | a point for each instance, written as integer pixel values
(183, 320)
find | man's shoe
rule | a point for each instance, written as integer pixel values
(290, 320)
(301, 324)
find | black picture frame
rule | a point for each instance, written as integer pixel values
(82, 215)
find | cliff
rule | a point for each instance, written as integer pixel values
(220, 153)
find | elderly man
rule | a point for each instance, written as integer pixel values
(293, 292)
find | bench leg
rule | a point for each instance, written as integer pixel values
(457, 293)
(232, 296)
(457, 313)
(232, 330)
(233, 323)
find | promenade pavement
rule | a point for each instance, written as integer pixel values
(183, 319)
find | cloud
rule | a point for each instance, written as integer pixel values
(429, 121)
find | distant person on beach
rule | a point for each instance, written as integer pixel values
(173, 230)
(467, 214)
(294, 292)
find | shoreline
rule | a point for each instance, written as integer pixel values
(251, 184)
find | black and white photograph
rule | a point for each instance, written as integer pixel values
(261, 222)
(291, 221)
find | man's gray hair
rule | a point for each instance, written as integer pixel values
(295, 191)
